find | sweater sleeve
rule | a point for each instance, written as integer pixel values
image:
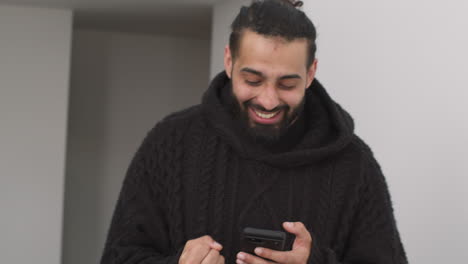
(374, 237)
(139, 228)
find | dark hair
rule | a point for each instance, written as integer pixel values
(274, 18)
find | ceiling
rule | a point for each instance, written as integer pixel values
(172, 17)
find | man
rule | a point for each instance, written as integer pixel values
(267, 148)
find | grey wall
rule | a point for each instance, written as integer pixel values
(122, 84)
(34, 77)
(400, 69)
(224, 12)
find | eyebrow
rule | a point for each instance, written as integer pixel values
(249, 70)
(289, 76)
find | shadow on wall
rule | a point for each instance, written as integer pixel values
(122, 84)
(87, 142)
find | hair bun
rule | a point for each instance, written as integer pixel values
(294, 3)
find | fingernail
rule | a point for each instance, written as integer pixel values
(289, 224)
(258, 251)
(241, 256)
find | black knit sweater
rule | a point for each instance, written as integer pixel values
(196, 174)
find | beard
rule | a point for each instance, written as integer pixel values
(265, 134)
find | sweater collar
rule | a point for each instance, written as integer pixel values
(324, 130)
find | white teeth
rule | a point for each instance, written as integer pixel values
(266, 116)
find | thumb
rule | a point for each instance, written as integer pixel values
(303, 237)
(215, 245)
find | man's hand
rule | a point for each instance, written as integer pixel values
(298, 255)
(203, 250)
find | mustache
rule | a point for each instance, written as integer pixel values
(261, 108)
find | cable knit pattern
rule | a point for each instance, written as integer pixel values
(258, 194)
(196, 174)
(221, 173)
(205, 185)
(323, 213)
(176, 184)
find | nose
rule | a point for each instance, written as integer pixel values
(268, 98)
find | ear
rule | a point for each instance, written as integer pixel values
(311, 73)
(227, 61)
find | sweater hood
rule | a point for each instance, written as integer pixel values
(329, 127)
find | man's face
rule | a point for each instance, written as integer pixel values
(269, 78)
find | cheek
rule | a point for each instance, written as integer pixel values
(242, 92)
(292, 98)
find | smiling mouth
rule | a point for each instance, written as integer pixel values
(265, 118)
(266, 115)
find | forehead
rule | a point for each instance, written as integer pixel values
(272, 55)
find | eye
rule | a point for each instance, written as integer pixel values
(257, 83)
(287, 87)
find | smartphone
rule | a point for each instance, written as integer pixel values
(254, 237)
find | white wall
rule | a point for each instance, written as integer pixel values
(34, 71)
(400, 68)
(122, 84)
